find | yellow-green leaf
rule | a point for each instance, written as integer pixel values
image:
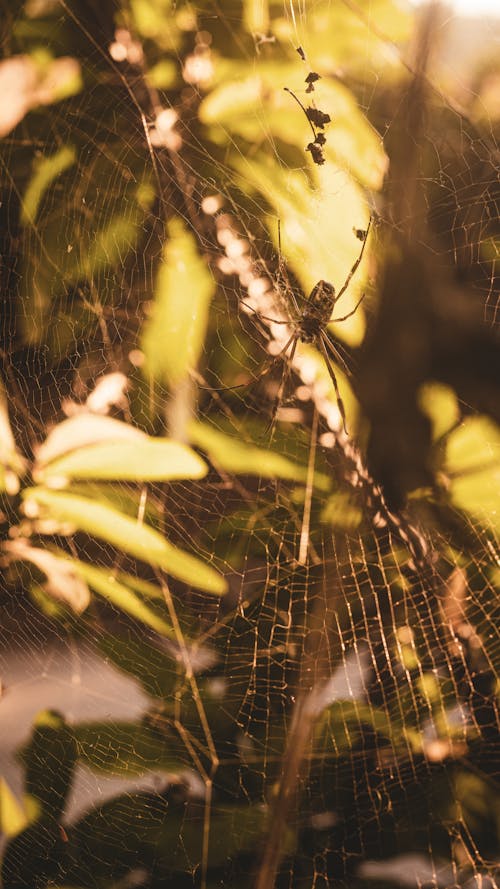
(45, 171)
(82, 430)
(147, 459)
(473, 463)
(12, 464)
(173, 338)
(108, 586)
(440, 404)
(240, 457)
(312, 220)
(12, 816)
(136, 539)
(254, 105)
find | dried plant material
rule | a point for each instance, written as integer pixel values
(26, 83)
(63, 582)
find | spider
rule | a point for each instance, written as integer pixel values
(310, 326)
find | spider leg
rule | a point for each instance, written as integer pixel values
(333, 378)
(264, 317)
(285, 376)
(349, 314)
(265, 370)
(356, 264)
(336, 353)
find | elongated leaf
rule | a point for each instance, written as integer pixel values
(125, 748)
(82, 430)
(473, 462)
(46, 170)
(237, 456)
(12, 816)
(122, 596)
(149, 590)
(440, 404)
(12, 464)
(119, 530)
(173, 338)
(147, 459)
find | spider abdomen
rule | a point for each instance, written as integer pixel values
(317, 312)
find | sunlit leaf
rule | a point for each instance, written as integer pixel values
(149, 590)
(342, 512)
(256, 16)
(255, 105)
(12, 464)
(81, 430)
(357, 30)
(131, 536)
(45, 171)
(173, 338)
(102, 581)
(162, 75)
(238, 456)
(440, 404)
(156, 21)
(473, 465)
(147, 459)
(317, 234)
(12, 816)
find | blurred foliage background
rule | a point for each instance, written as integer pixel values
(311, 615)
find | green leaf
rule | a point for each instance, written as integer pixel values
(12, 816)
(131, 536)
(81, 430)
(125, 748)
(46, 169)
(236, 456)
(473, 465)
(256, 16)
(146, 459)
(104, 583)
(440, 404)
(174, 335)
(149, 590)
(254, 105)
(314, 216)
(92, 239)
(357, 32)
(107, 246)
(12, 464)
(342, 511)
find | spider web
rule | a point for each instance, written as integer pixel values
(334, 717)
